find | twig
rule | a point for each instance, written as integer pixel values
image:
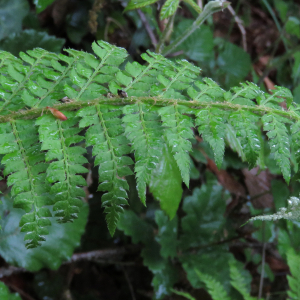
(210, 8)
(107, 255)
(200, 3)
(147, 27)
(165, 34)
(239, 23)
(261, 283)
(18, 290)
(129, 283)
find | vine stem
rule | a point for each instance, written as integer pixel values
(210, 8)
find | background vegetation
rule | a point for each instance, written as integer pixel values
(202, 252)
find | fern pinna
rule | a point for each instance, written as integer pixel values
(44, 156)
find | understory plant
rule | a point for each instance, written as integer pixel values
(167, 102)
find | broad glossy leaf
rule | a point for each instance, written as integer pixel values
(59, 246)
(165, 183)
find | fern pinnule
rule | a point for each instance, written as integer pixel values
(177, 129)
(238, 281)
(110, 146)
(25, 89)
(88, 73)
(279, 94)
(279, 141)
(138, 80)
(143, 129)
(24, 163)
(294, 280)
(65, 162)
(212, 129)
(178, 78)
(206, 91)
(215, 288)
(245, 125)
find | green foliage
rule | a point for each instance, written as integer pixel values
(192, 244)
(5, 293)
(239, 280)
(166, 101)
(59, 247)
(215, 288)
(166, 183)
(294, 280)
(12, 13)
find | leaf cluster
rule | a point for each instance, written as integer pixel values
(167, 103)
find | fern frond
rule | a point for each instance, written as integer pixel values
(279, 142)
(57, 137)
(212, 129)
(244, 94)
(110, 146)
(143, 129)
(210, 91)
(294, 280)
(215, 288)
(23, 83)
(178, 132)
(88, 75)
(238, 281)
(245, 124)
(177, 79)
(24, 163)
(140, 80)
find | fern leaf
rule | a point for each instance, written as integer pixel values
(244, 94)
(143, 129)
(24, 163)
(238, 281)
(279, 94)
(110, 146)
(177, 79)
(178, 132)
(279, 142)
(294, 280)
(212, 128)
(90, 73)
(57, 137)
(295, 131)
(26, 79)
(140, 80)
(207, 91)
(244, 123)
(215, 289)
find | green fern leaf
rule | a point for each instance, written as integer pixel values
(28, 78)
(24, 161)
(110, 146)
(88, 73)
(168, 9)
(178, 78)
(143, 129)
(244, 94)
(207, 91)
(279, 142)
(294, 280)
(138, 80)
(215, 289)
(212, 128)
(238, 280)
(56, 137)
(178, 132)
(245, 125)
